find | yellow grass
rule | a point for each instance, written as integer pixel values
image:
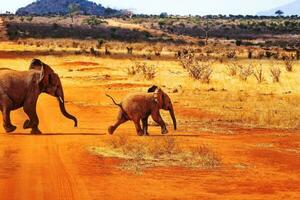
(230, 99)
(157, 152)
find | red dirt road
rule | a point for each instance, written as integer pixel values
(257, 164)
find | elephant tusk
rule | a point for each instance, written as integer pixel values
(61, 100)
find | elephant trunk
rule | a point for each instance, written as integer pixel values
(171, 110)
(60, 98)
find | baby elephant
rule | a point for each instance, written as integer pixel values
(139, 106)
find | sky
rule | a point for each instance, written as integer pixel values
(184, 7)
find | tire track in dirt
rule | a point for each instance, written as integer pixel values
(41, 172)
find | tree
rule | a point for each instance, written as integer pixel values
(127, 13)
(206, 28)
(73, 10)
(163, 15)
(279, 13)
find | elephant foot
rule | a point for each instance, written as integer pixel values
(26, 124)
(10, 128)
(147, 134)
(111, 130)
(164, 131)
(140, 133)
(36, 131)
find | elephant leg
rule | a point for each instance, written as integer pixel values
(121, 119)
(6, 108)
(33, 121)
(157, 118)
(138, 127)
(145, 126)
(6, 121)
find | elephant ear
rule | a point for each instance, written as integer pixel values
(39, 65)
(45, 70)
(160, 96)
(153, 88)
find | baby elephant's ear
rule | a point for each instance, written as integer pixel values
(152, 89)
(39, 65)
(36, 64)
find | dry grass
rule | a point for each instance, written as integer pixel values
(157, 152)
(142, 69)
(231, 100)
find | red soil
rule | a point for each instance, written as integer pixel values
(56, 165)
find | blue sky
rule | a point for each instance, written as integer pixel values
(184, 7)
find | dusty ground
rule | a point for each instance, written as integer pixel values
(257, 163)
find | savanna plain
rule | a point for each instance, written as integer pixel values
(237, 110)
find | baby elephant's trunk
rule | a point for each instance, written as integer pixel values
(171, 110)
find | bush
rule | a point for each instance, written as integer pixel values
(289, 64)
(250, 54)
(75, 45)
(29, 19)
(147, 71)
(93, 21)
(197, 70)
(275, 73)
(100, 43)
(231, 54)
(55, 26)
(161, 22)
(238, 42)
(11, 17)
(201, 71)
(245, 72)
(232, 68)
(259, 74)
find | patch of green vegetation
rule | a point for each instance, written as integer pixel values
(94, 21)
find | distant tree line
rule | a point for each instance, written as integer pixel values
(279, 14)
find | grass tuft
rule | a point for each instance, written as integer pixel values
(159, 152)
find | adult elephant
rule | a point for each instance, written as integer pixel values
(22, 89)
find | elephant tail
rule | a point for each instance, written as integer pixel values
(118, 104)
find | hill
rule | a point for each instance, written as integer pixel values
(292, 8)
(61, 7)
